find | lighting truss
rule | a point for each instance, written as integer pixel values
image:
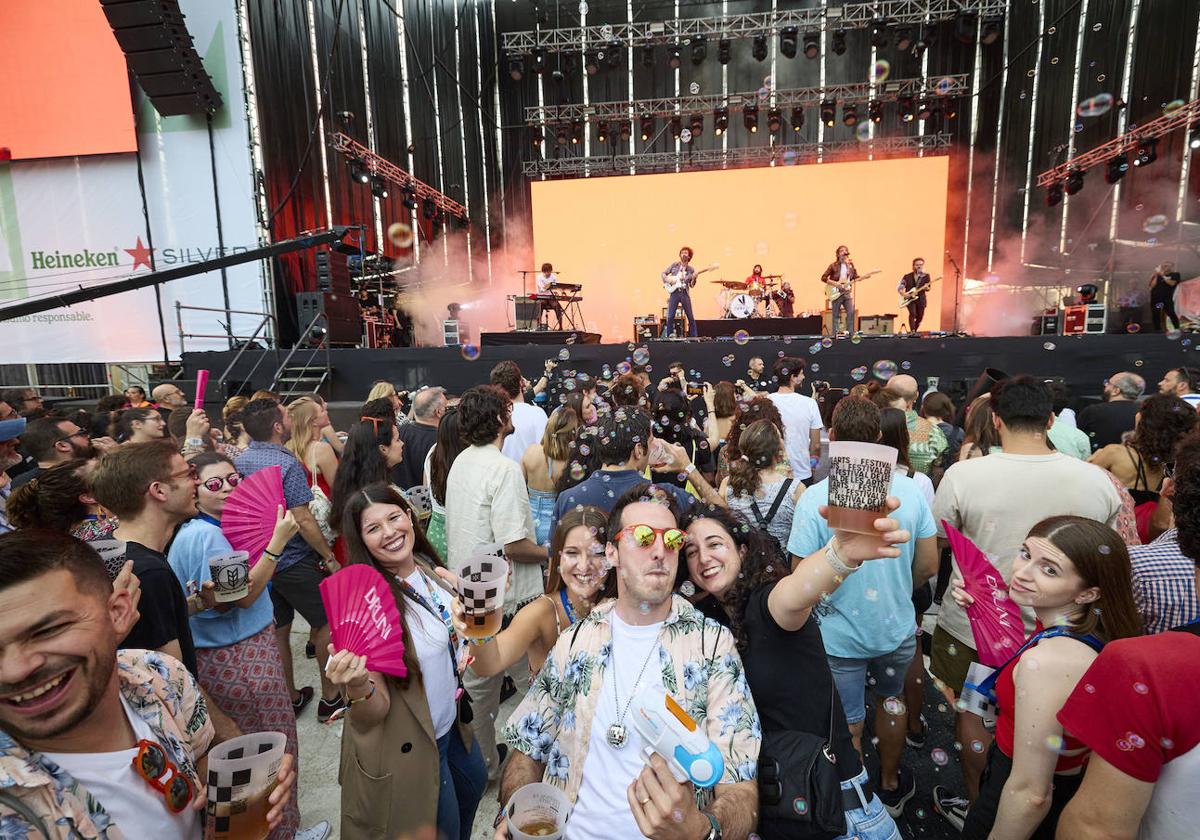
(795, 97)
(1127, 142)
(384, 168)
(571, 167)
(845, 16)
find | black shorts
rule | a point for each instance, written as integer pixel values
(297, 588)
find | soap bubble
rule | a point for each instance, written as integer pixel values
(564, 354)
(1094, 106)
(939, 757)
(894, 706)
(826, 342)
(577, 471)
(470, 352)
(884, 369)
(694, 87)
(741, 337)
(863, 131)
(1173, 105)
(1133, 328)
(855, 339)
(800, 805)
(1156, 223)
(859, 373)
(1096, 27)
(641, 356)
(945, 85)
(1049, 345)
(686, 135)
(881, 70)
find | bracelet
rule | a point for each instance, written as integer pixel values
(350, 701)
(482, 640)
(270, 555)
(833, 558)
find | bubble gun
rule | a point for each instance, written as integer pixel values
(665, 728)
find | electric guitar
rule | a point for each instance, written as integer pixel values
(679, 280)
(908, 297)
(835, 290)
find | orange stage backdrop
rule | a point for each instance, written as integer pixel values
(615, 234)
(64, 86)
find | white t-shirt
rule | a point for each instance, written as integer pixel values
(136, 808)
(601, 809)
(529, 422)
(995, 501)
(487, 502)
(924, 483)
(843, 272)
(432, 641)
(800, 416)
(543, 281)
(1191, 399)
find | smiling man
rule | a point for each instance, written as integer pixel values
(575, 729)
(75, 714)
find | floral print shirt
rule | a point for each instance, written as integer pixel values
(164, 695)
(554, 721)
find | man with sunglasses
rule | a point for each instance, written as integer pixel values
(53, 440)
(575, 727)
(93, 742)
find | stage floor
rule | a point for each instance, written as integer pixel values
(1083, 362)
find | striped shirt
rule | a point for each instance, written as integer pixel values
(1164, 583)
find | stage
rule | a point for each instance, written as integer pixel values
(1082, 362)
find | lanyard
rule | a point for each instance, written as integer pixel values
(440, 613)
(987, 686)
(567, 608)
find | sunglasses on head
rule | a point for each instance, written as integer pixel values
(152, 764)
(644, 535)
(214, 484)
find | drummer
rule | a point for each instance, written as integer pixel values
(755, 284)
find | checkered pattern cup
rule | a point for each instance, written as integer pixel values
(481, 584)
(241, 775)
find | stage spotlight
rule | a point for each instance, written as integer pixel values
(359, 172)
(1074, 181)
(904, 105)
(674, 56)
(379, 187)
(875, 111)
(1194, 135)
(602, 131)
(1116, 168)
(1054, 195)
(561, 135)
(724, 49)
(647, 55)
(760, 47)
(516, 67)
(647, 127)
(1147, 152)
(720, 121)
(837, 42)
(676, 127)
(924, 40)
(536, 137)
(750, 118)
(828, 111)
(965, 25)
(429, 208)
(626, 130)
(591, 62)
(410, 199)
(993, 28)
(950, 108)
(879, 33)
(787, 41)
(541, 63)
(904, 38)
(699, 49)
(797, 119)
(774, 120)
(849, 114)
(812, 44)
(696, 125)
(612, 55)
(924, 110)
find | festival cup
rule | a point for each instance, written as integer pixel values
(537, 811)
(860, 475)
(230, 573)
(241, 775)
(481, 584)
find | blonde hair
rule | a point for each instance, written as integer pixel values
(380, 390)
(302, 412)
(559, 433)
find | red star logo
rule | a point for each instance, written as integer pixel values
(141, 254)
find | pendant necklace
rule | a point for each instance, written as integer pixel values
(618, 735)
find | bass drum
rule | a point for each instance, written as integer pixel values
(741, 306)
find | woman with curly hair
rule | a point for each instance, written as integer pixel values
(543, 462)
(758, 487)
(747, 586)
(759, 408)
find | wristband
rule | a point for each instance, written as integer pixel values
(835, 561)
(193, 441)
(270, 555)
(350, 701)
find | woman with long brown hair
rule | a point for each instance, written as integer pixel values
(543, 463)
(980, 435)
(1074, 574)
(408, 759)
(722, 404)
(759, 487)
(437, 469)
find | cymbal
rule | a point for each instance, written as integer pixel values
(730, 284)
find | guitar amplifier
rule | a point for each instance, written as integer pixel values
(876, 324)
(341, 314)
(526, 312)
(644, 326)
(680, 329)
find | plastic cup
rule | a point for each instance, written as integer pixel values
(860, 475)
(481, 584)
(230, 573)
(242, 772)
(537, 811)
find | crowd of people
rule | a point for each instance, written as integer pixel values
(668, 536)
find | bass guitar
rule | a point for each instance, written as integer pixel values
(908, 297)
(679, 280)
(835, 290)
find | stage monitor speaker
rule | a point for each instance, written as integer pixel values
(333, 272)
(526, 312)
(341, 314)
(876, 324)
(158, 48)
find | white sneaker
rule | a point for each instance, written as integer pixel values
(317, 832)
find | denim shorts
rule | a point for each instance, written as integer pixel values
(872, 822)
(887, 671)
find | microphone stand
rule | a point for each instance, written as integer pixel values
(957, 288)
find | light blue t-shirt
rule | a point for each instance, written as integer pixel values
(871, 613)
(194, 543)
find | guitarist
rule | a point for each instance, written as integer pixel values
(842, 274)
(683, 276)
(916, 279)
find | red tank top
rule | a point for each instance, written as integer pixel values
(1005, 719)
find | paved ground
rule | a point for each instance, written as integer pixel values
(320, 745)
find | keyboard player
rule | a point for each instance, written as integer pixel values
(547, 283)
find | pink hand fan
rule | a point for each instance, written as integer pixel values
(996, 622)
(363, 618)
(250, 512)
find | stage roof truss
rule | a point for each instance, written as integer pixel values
(387, 170)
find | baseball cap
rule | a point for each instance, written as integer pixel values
(10, 429)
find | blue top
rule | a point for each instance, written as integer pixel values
(602, 489)
(871, 613)
(194, 543)
(296, 492)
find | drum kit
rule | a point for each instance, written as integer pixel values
(742, 299)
